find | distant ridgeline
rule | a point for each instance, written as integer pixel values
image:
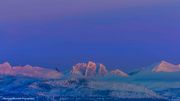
(89, 69)
(29, 71)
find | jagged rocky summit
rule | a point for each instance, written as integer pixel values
(91, 69)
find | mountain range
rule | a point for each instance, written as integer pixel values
(92, 69)
(91, 81)
(89, 69)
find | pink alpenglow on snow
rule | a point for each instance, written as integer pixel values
(92, 69)
(79, 69)
(89, 69)
(119, 73)
(102, 70)
(164, 66)
(5, 68)
(29, 71)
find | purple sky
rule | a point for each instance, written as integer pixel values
(119, 33)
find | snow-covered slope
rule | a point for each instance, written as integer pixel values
(162, 71)
(119, 73)
(164, 66)
(161, 66)
(124, 90)
(74, 88)
(29, 71)
(102, 70)
(5, 68)
(87, 88)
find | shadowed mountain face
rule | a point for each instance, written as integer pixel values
(29, 71)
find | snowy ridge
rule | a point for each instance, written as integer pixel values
(164, 66)
(29, 71)
(119, 73)
(91, 69)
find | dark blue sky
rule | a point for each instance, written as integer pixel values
(119, 33)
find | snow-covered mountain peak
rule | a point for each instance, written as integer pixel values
(92, 69)
(102, 70)
(29, 71)
(119, 73)
(6, 64)
(89, 69)
(5, 68)
(165, 63)
(164, 66)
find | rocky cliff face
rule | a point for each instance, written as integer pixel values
(89, 69)
(79, 69)
(92, 69)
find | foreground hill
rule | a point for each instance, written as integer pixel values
(74, 89)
